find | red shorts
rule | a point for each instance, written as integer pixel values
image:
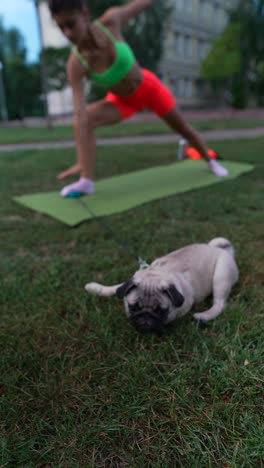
(151, 94)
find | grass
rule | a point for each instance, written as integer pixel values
(78, 386)
(13, 135)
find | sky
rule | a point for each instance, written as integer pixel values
(22, 15)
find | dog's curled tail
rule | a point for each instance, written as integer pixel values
(223, 243)
(101, 290)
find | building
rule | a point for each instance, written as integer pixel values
(59, 102)
(192, 27)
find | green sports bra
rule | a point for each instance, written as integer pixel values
(122, 65)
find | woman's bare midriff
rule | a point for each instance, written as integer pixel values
(130, 83)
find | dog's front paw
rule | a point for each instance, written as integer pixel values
(93, 288)
(201, 317)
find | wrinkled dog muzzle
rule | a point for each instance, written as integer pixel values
(146, 321)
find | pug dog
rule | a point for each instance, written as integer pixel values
(173, 284)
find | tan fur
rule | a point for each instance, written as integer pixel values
(195, 271)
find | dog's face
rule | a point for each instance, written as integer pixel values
(150, 302)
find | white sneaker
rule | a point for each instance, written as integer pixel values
(217, 169)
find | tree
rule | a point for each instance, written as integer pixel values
(250, 15)
(260, 83)
(235, 58)
(23, 88)
(43, 70)
(222, 66)
(55, 60)
(224, 59)
(22, 81)
(12, 44)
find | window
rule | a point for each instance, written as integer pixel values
(202, 49)
(188, 47)
(175, 85)
(178, 44)
(188, 88)
(202, 8)
(217, 17)
(179, 4)
(181, 87)
(188, 6)
(224, 19)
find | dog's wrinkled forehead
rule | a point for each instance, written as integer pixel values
(150, 286)
(147, 292)
(148, 278)
(147, 297)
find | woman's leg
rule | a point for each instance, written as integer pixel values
(163, 103)
(97, 114)
(176, 121)
(75, 169)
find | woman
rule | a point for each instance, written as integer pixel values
(100, 53)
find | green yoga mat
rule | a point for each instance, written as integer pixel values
(123, 192)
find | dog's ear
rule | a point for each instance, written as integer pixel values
(124, 289)
(175, 296)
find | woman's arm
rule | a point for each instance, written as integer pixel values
(75, 78)
(127, 12)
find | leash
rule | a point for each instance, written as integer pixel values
(142, 263)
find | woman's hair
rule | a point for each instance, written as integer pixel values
(57, 6)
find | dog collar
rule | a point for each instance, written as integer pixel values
(143, 264)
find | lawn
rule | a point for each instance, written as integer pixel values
(61, 133)
(78, 386)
